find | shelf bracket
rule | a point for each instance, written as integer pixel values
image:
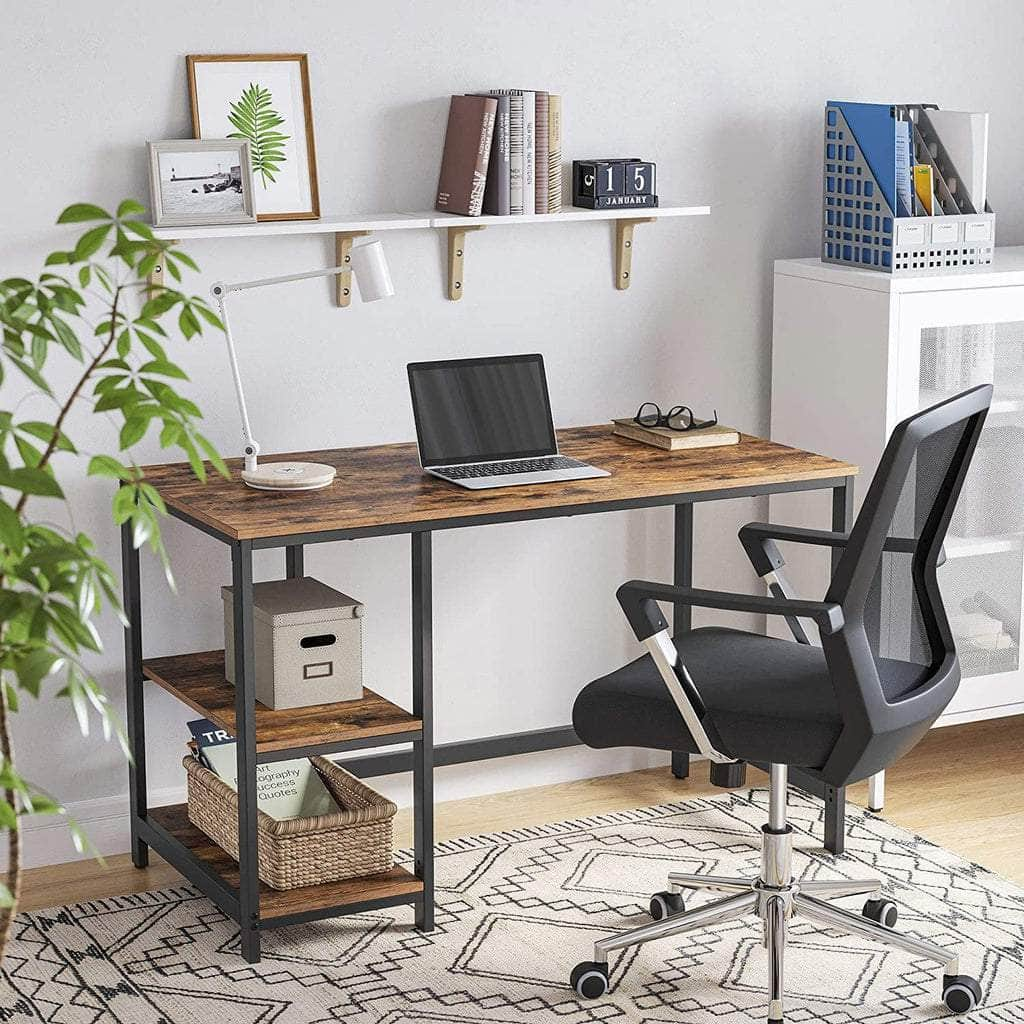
(156, 277)
(456, 257)
(624, 249)
(342, 257)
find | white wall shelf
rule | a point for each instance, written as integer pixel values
(324, 226)
(348, 227)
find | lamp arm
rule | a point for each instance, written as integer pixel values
(378, 273)
(252, 448)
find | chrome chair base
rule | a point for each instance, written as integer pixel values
(776, 898)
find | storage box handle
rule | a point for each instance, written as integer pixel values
(319, 640)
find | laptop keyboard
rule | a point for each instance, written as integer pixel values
(508, 468)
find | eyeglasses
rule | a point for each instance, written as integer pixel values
(679, 417)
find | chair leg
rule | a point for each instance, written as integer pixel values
(837, 888)
(775, 933)
(712, 913)
(855, 924)
(681, 880)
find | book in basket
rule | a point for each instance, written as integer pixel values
(677, 440)
(284, 789)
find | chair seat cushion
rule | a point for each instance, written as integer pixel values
(767, 700)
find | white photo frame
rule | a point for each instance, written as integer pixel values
(197, 182)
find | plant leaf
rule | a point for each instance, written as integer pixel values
(107, 465)
(89, 244)
(31, 481)
(130, 208)
(133, 431)
(78, 212)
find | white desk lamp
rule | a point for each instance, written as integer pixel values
(371, 271)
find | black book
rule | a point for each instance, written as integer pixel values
(498, 190)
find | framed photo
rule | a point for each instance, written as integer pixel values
(263, 99)
(208, 182)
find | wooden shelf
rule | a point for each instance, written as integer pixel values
(276, 903)
(198, 680)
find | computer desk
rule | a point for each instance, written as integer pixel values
(381, 491)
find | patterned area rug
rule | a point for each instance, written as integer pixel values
(516, 911)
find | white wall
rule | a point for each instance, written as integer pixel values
(727, 98)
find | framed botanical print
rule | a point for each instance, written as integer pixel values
(263, 99)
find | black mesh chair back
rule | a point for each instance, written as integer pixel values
(894, 663)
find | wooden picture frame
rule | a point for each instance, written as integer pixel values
(265, 98)
(202, 186)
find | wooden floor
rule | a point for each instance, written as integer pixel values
(961, 788)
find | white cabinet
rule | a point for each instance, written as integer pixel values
(853, 353)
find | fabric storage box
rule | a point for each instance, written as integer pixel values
(357, 840)
(308, 643)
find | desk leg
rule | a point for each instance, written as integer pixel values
(835, 798)
(423, 708)
(135, 703)
(293, 562)
(726, 775)
(245, 739)
(682, 614)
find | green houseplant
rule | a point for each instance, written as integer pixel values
(90, 307)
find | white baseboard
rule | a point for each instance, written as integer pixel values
(47, 840)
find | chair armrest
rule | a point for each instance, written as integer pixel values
(758, 540)
(639, 600)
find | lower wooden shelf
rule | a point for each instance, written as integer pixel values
(275, 903)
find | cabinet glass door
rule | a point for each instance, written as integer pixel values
(959, 340)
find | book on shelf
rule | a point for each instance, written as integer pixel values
(498, 191)
(534, 153)
(467, 152)
(516, 146)
(284, 789)
(529, 151)
(540, 171)
(676, 440)
(554, 153)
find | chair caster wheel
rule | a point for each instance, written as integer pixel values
(885, 912)
(589, 979)
(666, 904)
(960, 992)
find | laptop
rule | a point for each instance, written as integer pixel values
(484, 423)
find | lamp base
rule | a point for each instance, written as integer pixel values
(289, 476)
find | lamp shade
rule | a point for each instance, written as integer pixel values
(372, 273)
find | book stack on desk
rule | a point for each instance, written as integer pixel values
(676, 440)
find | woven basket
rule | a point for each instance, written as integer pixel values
(355, 840)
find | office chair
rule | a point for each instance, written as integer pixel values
(885, 670)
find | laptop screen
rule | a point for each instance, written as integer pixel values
(481, 410)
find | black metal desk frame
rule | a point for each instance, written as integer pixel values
(242, 905)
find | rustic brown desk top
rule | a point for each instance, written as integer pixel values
(383, 487)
